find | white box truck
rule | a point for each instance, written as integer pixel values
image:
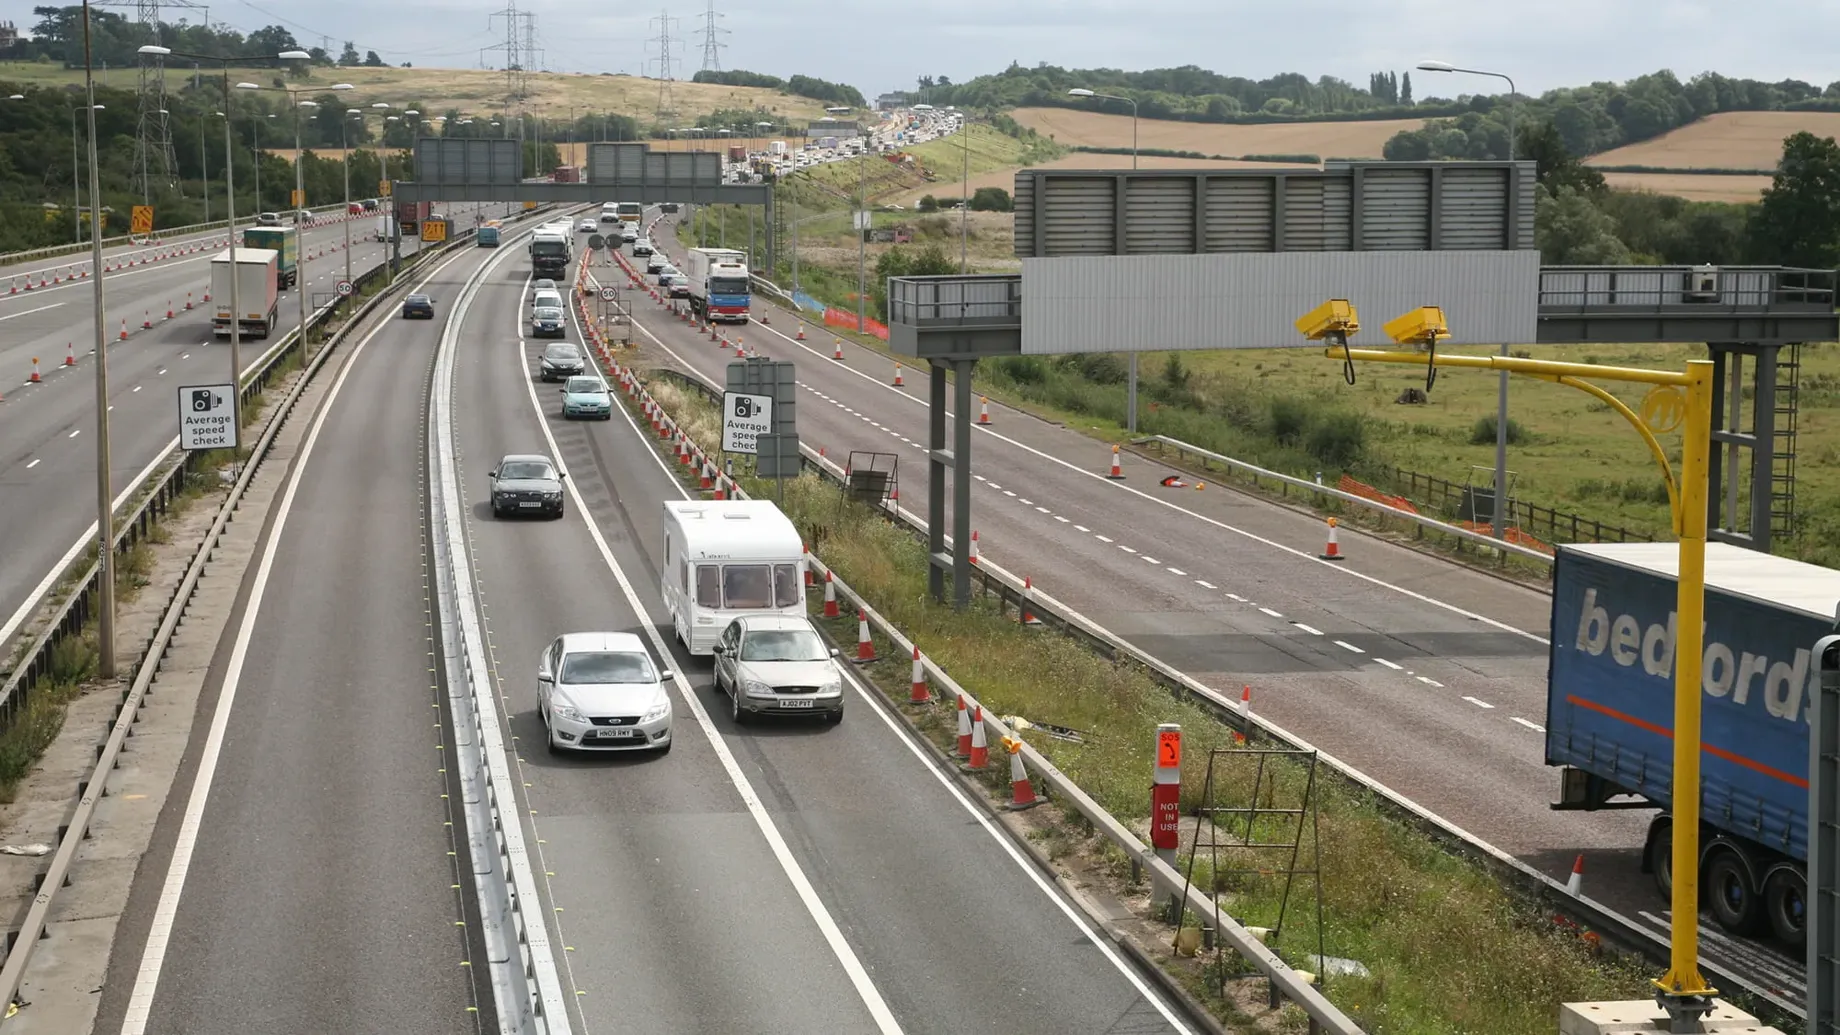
(386, 226)
(719, 284)
(257, 291)
(776, 147)
(727, 558)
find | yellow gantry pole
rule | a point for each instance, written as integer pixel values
(1683, 980)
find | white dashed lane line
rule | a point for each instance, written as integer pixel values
(1534, 726)
(1203, 583)
(33, 464)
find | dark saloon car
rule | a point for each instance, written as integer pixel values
(526, 483)
(562, 360)
(418, 307)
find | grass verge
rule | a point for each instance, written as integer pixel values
(1447, 949)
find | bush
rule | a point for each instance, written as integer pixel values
(928, 204)
(992, 199)
(1101, 368)
(1022, 370)
(1289, 418)
(1482, 433)
(1337, 438)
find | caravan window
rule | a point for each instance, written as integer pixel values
(786, 584)
(747, 586)
(708, 586)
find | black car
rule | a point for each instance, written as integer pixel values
(418, 306)
(656, 263)
(641, 247)
(526, 483)
(562, 360)
(370, 204)
(546, 322)
(669, 206)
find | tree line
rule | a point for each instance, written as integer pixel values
(799, 86)
(115, 40)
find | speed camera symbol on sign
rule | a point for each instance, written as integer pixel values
(744, 419)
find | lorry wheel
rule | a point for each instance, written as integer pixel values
(1785, 906)
(1660, 862)
(1731, 893)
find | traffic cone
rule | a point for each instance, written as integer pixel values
(705, 476)
(801, 336)
(765, 319)
(920, 694)
(207, 296)
(974, 546)
(1332, 551)
(865, 647)
(721, 488)
(963, 748)
(1117, 471)
(124, 328)
(169, 309)
(897, 375)
(984, 409)
(1028, 602)
(980, 745)
(188, 301)
(146, 320)
(830, 597)
(684, 454)
(837, 354)
(1021, 792)
(70, 354)
(1245, 713)
(34, 379)
(811, 580)
(1575, 883)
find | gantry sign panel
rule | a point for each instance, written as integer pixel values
(456, 160)
(637, 165)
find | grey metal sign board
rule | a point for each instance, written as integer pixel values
(1344, 206)
(745, 418)
(586, 193)
(628, 165)
(777, 379)
(441, 160)
(207, 416)
(1158, 303)
(779, 456)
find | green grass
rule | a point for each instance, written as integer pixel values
(1450, 951)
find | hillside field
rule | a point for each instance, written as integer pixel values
(477, 91)
(1693, 186)
(1324, 139)
(1729, 140)
(949, 186)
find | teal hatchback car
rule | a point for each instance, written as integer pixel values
(586, 397)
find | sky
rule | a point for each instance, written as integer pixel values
(881, 46)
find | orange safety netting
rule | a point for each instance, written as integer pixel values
(1365, 491)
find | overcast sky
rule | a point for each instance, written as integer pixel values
(882, 46)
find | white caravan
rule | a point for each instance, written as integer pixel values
(726, 558)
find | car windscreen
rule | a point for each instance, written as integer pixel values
(586, 386)
(526, 470)
(549, 248)
(561, 350)
(783, 645)
(607, 667)
(548, 313)
(418, 299)
(728, 285)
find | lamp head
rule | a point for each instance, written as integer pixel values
(341, 86)
(294, 55)
(381, 105)
(1079, 91)
(152, 51)
(247, 86)
(1436, 66)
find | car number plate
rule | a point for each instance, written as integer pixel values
(795, 702)
(530, 504)
(615, 734)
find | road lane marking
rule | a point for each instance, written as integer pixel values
(1345, 645)
(33, 464)
(1270, 612)
(1534, 726)
(29, 312)
(1428, 681)
(1176, 571)
(1205, 584)
(137, 388)
(1312, 630)
(74, 433)
(1395, 666)
(1477, 703)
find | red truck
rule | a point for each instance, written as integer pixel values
(409, 215)
(737, 152)
(566, 174)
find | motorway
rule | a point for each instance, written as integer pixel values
(772, 879)
(1427, 676)
(47, 448)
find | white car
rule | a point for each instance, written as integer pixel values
(587, 226)
(776, 664)
(599, 691)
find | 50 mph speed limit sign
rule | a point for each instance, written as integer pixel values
(345, 287)
(609, 294)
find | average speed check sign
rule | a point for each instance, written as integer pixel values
(609, 294)
(744, 419)
(207, 417)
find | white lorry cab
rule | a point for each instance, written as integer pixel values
(726, 558)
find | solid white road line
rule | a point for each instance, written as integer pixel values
(29, 312)
(159, 934)
(782, 852)
(868, 696)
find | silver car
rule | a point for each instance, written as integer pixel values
(771, 664)
(599, 691)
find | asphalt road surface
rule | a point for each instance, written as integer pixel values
(662, 876)
(1428, 676)
(47, 430)
(320, 894)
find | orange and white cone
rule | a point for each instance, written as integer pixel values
(811, 580)
(865, 646)
(70, 354)
(1028, 602)
(721, 488)
(974, 546)
(169, 309)
(1021, 791)
(188, 301)
(1575, 883)
(34, 379)
(837, 352)
(963, 748)
(1117, 472)
(984, 409)
(1245, 714)
(980, 745)
(124, 329)
(897, 375)
(801, 336)
(706, 477)
(920, 694)
(1332, 551)
(146, 320)
(830, 597)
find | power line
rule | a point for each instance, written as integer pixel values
(712, 57)
(153, 144)
(516, 77)
(667, 102)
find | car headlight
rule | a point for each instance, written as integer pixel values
(566, 711)
(657, 711)
(832, 688)
(553, 494)
(756, 688)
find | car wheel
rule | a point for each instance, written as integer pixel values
(735, 711)
(833, 718)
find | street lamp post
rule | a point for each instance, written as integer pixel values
(1499, 515)
(105, 494)
(76, 167)
(1130, 403)
(345, 149)
(236, 311)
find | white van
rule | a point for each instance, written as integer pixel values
(546, 299)
(726, 558)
